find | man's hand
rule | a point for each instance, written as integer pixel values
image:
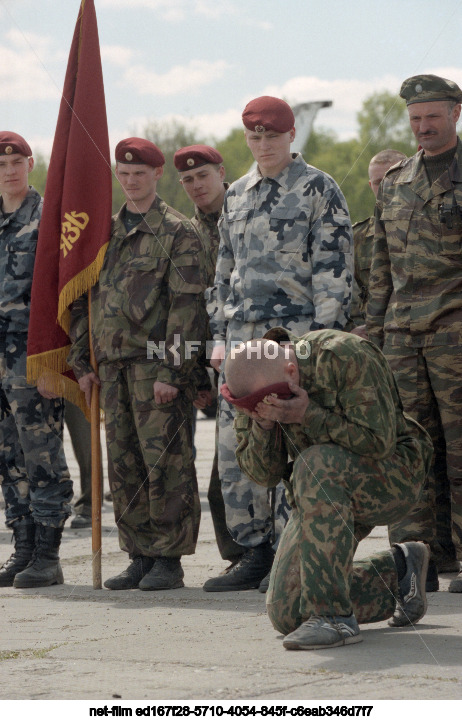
(361, 331)
(41, 387)
(266, 425)
(164, 393)
(218, 356)
(203, 398)
(86, 384)
(284, 411)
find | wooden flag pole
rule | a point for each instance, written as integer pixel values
(96, 500)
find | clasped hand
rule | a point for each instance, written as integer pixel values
(283, 411)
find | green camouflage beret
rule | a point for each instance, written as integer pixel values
(425, 88)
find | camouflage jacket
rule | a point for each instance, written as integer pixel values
(363, 234)
(285, 250)
(151, 288)
(18, 241)
(354, 402)
(416, 276)
(206, 225)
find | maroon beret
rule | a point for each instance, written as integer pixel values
(139, 151)
(267, 113)
(193, 156)
(13, 143)
(250, 402)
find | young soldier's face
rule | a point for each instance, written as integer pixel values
(138, 181)
(434, 125)
(14, 171)
(205, 187)
(376, 173)
(271, 150)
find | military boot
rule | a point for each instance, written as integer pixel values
(130, 578)
(24, 542)
(165, 573)
(249, 571)
(44, 568)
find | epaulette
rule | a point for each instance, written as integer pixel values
(361, 222)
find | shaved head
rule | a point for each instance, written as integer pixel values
(258, 363)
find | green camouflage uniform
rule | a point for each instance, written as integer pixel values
(33, 471)
(359, 461)
(150, 289)
(206, 225)
(363, 234)
(415, 313)
(285, 259)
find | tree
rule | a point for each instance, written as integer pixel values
(237, 157)
(38, 177)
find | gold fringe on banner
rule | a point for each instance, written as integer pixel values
(77, 286)
(46, 369)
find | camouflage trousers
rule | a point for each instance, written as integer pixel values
(430, 386)
(33, 470)
(151, 468)
(338, 498)
(80, 433)
(254, 514)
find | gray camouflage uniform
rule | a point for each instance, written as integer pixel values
(33, 471)
(285, 259)
(150, 288)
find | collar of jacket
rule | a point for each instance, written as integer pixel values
(150, 223)
(415, 167)
(286, 178)
(26, 209)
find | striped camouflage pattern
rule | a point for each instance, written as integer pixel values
(33, 471)
(359, 461)
(285, 250)
(363, 234)
(429, 380)
(416, 276)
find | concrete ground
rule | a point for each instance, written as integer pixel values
(73, 642)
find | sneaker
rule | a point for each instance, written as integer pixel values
(456, 584)
(247, 573)
(165, 573)
(81, 521)
(324, 632)
(413, 602)
(130, 578)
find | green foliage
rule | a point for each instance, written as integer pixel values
(237, 157)
(38, 177)
(383, 123)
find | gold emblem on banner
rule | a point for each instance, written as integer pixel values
(71, 228)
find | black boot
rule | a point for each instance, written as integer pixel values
(44, 568)
(166, 573)
(130, 578)
(248, 572)
(24, 542)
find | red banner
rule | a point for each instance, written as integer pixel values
(75, 225)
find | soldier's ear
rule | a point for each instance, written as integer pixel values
(31, 164)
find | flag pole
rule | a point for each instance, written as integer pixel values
(96, 500)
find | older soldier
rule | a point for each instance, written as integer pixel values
(34, 475)
(285, 258)
(150, 293)
(363, 233)
(202, 176)
(328, 401)
(415, 307)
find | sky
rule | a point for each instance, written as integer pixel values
(200, 61)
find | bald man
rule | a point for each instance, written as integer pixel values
(358, 462)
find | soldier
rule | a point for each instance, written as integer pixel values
(202, 176)
(415, 306)
(328, 401)
(35, 479)
(363, 233)
(147, 305)
(285, 258)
